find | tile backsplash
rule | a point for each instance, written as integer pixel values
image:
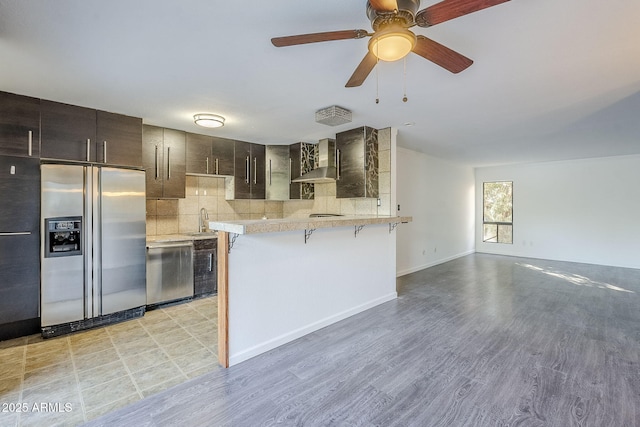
(182, 215)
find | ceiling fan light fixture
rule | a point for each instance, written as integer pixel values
(208, 120)
(392, 43)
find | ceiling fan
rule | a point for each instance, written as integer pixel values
(392, 39)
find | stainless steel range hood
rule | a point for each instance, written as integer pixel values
(325, 170)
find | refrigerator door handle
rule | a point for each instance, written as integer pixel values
(30, 148)
(88, 242)
(157, 169)
(97, 242)
(168, 163)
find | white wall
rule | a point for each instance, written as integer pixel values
(582, 211)
(292, 289)
(440, 197)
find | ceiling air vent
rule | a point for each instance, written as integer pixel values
(333, 116)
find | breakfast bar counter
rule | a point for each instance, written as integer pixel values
(281, 279)
(292, 224)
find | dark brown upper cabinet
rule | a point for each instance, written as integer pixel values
(249, 173)
(357, 163)
(207, 155)
(70, 132)
(119, 139)
(163, 157)
(222, 153)
(19, 125)
(198, 154)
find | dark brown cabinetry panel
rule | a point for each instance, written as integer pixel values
(163, 157)
(222, 154)
(198, 153)
(152, 159)
(242, 172)
(209, 155)
(19, 125)
(249, 171)
(205, 276)
(258, 158)
(68, 132)
(357, 159)
(119, 139)
(19, 246)
(32, 127)
(174, 164)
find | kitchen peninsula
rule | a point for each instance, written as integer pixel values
(280, 279)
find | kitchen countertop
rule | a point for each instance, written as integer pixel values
(168, 238)
(255, 226)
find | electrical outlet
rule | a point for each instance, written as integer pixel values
(379, 202)
(398, 207)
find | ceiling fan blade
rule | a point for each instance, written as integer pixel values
(441, 55)
(384, 5)
(450, 9)
(318, 37)
(363, 70)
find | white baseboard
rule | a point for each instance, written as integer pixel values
(433, 263)
(246, 354)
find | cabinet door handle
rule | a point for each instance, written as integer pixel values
(216, 166)
(168, 163)
(338, 166)
(88, 150)
(290, 170)
(255, 170)
(30, 147)
(104, 152)
(246, 170)
(157, 169)
(269, 172)
(210, 262)
(207, 165)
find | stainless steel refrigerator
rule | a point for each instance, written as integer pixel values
(92, 246)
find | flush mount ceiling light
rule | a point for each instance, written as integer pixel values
(392, 43)
(208, 120)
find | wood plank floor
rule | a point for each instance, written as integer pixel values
(479, 341)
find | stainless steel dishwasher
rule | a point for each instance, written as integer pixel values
(169, 271)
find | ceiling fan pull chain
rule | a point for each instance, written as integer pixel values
(404, 98)
(377, 89)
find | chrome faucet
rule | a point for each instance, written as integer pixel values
(204, 215)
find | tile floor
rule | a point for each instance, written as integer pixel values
(71, 379)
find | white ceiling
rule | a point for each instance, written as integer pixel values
(552, 79)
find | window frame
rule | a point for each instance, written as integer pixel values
(496, 223)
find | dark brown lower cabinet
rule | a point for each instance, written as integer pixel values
(19, 246)
(205, 272)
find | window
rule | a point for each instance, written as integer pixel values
(497, 218)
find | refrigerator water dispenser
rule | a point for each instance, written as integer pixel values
(63, 236)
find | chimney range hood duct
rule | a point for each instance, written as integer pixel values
(326, 170)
